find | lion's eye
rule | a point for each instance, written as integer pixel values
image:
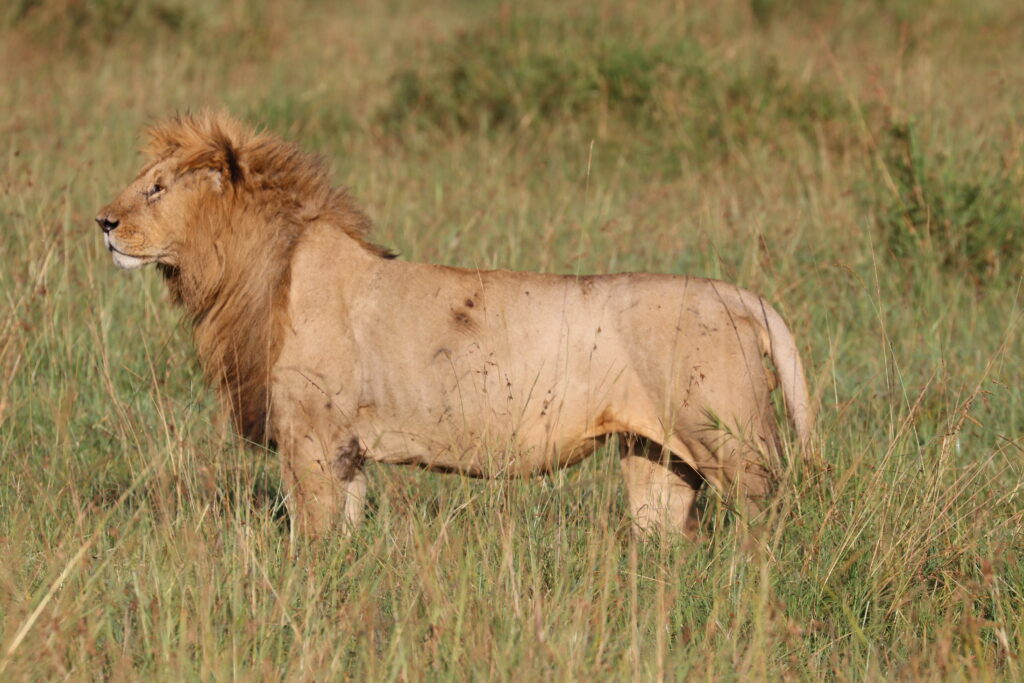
(154, 191)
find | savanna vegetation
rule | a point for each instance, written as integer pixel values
(858, 162)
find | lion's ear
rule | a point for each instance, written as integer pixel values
(227, 160)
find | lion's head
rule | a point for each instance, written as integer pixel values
(192, 162)
(209, 179)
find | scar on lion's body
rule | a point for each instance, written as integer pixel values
(348, 460)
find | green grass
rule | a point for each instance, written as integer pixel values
(858, 164)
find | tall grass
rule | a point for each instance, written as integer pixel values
(859, 165)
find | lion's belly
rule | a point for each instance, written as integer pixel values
(493, 450)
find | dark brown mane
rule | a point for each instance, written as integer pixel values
(236, 248)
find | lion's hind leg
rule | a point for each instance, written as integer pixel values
(744, 456)
(662, 489)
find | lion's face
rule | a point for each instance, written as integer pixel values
(146, 223)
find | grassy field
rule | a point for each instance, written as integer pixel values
(857, 162)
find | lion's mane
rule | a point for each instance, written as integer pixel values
(233, 272)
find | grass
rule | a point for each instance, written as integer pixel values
(857, 164)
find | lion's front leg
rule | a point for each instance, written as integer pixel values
(325, 486)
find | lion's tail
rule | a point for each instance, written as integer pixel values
(783, 351)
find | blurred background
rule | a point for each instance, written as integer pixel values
(858, 162)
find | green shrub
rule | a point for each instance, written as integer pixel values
(963, 212)
(496, 76)
(666, 89)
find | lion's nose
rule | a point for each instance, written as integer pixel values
(107, 224)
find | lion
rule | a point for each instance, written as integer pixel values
(327, 348)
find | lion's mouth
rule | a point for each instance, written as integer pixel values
(123, 259)
(114, 250)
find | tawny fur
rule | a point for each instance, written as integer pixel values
(320, 343)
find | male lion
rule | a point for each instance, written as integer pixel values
(322, 344)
